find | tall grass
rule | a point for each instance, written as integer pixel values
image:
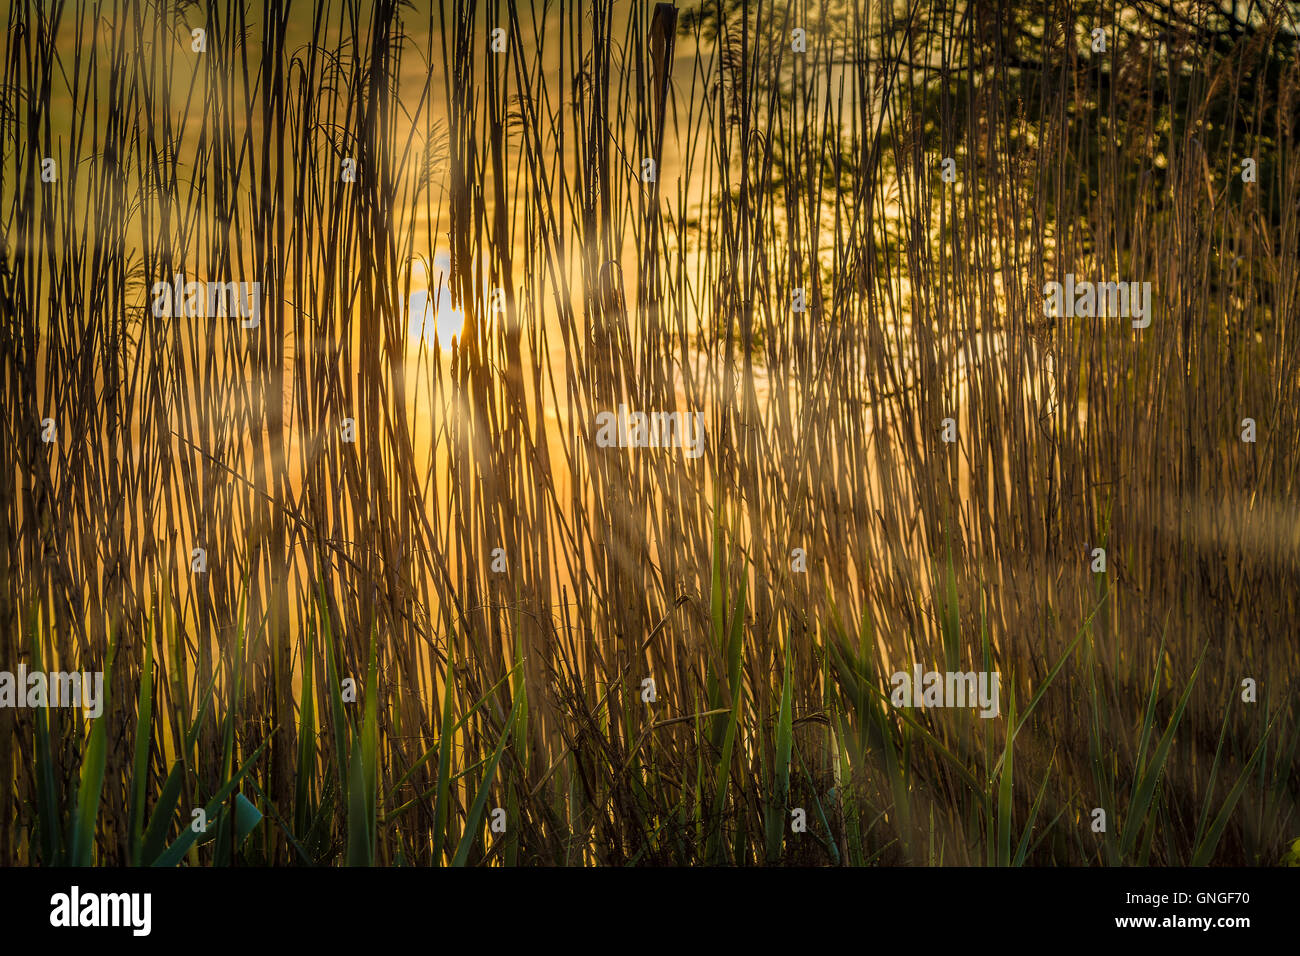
(370, 565)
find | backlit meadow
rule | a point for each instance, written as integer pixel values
(366, 588)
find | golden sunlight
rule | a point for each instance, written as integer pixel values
(430, 313)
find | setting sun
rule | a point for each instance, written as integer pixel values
(430, 312)
(432, 315)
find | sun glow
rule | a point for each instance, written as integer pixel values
(431, 315)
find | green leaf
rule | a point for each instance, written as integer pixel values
(784, 742)
(473, 822)
(93, 764)
(1204, 851)
(47, 801)
(247, 817)
(214, 811)
(306, 739)
(1022, 849)
(1150, 775)
(1006, 788)
(363, 774)
(161, 819)
(140, 762)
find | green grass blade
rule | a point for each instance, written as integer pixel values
(93, 764)
(1006, 784)
(1204, 851)
(1151, 774)
(214, 811)
(160, 821)
(1022, 848)
(784, 742)
(473, 821)
(306, 739)
(47, 799)
(363, 774)
(140, 759)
